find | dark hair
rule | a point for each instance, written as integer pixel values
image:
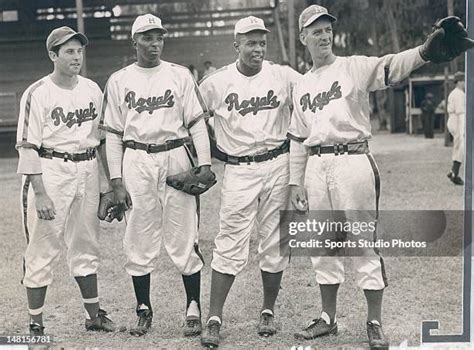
(55, 49)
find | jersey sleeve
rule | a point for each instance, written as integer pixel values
(30, 121)
(457, 103)
(195, 107)
(378, 73)
(299, 129)
(111, 117)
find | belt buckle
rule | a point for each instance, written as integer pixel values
(46, 153)
(149, 146)
(67, 156)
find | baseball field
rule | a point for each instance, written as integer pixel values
(413, 172)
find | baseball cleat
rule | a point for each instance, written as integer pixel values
(455, 179)
(316, 328)
(266, 326)
(36, 329)
(210, 334)
(100, 323)
(377, 340)
(144, 323)
(192, 326)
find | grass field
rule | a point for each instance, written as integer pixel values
(420, 288)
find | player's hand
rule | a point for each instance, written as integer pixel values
(298, 198)
(122, 197)
(44, 206)
(206, 174)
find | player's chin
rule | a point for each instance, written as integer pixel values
(256, 62)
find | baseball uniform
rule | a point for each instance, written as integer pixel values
(332, 108)
(456, 122)
(251, 118)
(155, 106)
(64, 121)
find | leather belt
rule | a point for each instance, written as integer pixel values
(341, 148)
(284, 148)
(73, 157)
(154, 148)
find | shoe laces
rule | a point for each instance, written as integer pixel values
(143, 316)
(374, 331)
(266, 318)
(313, 323)
(102, 315)
(213, 328)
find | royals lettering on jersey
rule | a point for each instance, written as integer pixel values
(251, 114)
(321, 99)
(338, 94)
(252, 105)
(62, 119)
(78, 117)
(149, 104)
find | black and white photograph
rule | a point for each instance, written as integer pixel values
(236, 174)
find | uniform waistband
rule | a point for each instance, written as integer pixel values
(73, 157)
(155, 148)
(340, 148)
(284, 148)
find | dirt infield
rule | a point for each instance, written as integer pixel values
(413, 172)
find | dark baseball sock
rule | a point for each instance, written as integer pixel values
(141, 285)
(271, 286)
(220, 287)
(90, 296)
(455, 168)
(374, 304)
(36, 298)
(192, 285)
(329, 299)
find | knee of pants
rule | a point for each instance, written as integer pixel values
(140, 262)
(230, 266)
(188, 265)
(329, 270)
(39, 272)
(274, 264)
(84, 265)
(370, 272)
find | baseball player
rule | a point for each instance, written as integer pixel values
(57, 141)
(456, 122)
(149, 109)
(251, 101)
(330, 157)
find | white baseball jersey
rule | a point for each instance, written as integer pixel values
(66, 121)
(151, 105)
(62, 119)
(332, 102)
(252, 114)
(456, 122)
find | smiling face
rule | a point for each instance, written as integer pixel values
(318, 38)
(149, 46)
(251, 48)
(68, 59)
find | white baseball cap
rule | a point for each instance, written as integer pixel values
(145, 23)
(249, 24)
(311, 14)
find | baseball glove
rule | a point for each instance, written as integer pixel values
(194, 181)
(447, 40)
(108, 210)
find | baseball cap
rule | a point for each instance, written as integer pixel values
(311, 14)
(60, 35)
(248, 24)
(459, 76)
(145, 23)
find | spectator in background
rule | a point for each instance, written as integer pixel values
(428, 108)
(209, 68)
(456, 122)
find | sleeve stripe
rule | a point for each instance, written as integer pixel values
(28, 108)
(295, 138)
(25, 144)
(104, 105)
(200, 98)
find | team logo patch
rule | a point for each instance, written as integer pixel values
(252, 105)
(78, 117)
(149, 104)
(322, 99)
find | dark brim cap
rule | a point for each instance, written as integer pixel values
(61, 35)
(311, 14)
